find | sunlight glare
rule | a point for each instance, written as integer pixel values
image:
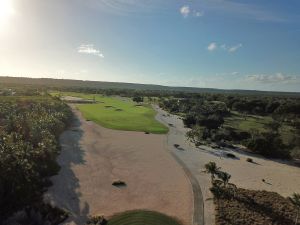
(6, 10)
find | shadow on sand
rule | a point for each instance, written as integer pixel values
(64, 192)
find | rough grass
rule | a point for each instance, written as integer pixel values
(247, 122)
(142, 218)
(250, 207)
(251, 122)
(119, 113)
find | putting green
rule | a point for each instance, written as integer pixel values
(142, 218)
(119, 113)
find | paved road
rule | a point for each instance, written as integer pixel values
(198, 217)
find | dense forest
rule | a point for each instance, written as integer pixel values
(266, 125)
(29, 130)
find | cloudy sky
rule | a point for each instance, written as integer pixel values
(231, 44)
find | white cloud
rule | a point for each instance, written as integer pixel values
(185, 11)
(212, 46)
(235, 48)
(89, 49)
(277, 78)
(198, 14)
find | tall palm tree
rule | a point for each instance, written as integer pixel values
(212, 168)
(295, 199)
(225, 177)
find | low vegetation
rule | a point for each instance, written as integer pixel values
(251, 207)
(29, 131)
(237, 206)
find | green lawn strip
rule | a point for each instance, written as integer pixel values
(119, 114)
(142, 217)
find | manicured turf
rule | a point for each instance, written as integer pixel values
(142, 218)
(120, 114)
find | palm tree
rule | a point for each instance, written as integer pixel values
(295, 199)
(225, 177)
(212, 168)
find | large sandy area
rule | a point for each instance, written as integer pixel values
(92, 157)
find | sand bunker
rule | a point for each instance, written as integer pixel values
(93, 157)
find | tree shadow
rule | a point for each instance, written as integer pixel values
(64, 192)
(293, 163)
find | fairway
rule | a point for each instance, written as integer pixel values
(142, 218)
(120, 114)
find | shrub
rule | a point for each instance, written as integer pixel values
(230, 155)
(269, 145)
(119, 183)
(250, 160)
(96, 220)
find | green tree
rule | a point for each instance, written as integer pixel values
(212, 169)
(225, 177)
(138, 99)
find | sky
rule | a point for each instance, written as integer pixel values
(227, 44)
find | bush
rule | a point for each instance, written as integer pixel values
(269, 145)
(96, 220)
(230, 155)
(250, 160)
(138, 99)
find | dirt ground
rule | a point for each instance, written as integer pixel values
(279, 176)
(92, 157)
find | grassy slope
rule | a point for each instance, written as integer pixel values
(120, 114)
(142, 218)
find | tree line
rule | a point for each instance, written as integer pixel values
(29, 131)
(205, 115)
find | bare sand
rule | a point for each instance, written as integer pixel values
(279, 176)
(92, 157)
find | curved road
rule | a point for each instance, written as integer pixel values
(198, 217)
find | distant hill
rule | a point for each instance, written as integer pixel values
(57, 83)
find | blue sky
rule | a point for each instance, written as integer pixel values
(202, 43)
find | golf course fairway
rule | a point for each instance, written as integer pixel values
(119, 113)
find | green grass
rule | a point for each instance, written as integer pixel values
(247, 122)
(119, 113)
(142, 218)
(251, 122)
